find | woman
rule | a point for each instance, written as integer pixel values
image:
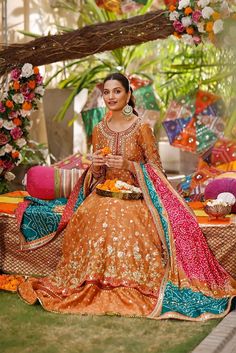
(146, 257)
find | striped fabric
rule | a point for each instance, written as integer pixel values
(65, 180)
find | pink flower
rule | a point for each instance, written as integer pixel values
(178, 26)
(15, 74)
(197, 40)
(8, 165)
(3, 139)
(29, 97)
(2, 108)
(196, 15)
(16, 133)
(39, 79)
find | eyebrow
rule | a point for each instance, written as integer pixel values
(112, 88)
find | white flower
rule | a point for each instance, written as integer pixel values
(183, 4)
(8, 148)
(203, 3)
(174, 15)
(200, 27)
(9, 125)
(19, 159)
(218, 26)
(27, 70)
(39, 90)
(25, 113)
(9, 176)
(187, 38)
(120, 254)
(18, 98)
(207, 12)
(20, 142)
(104, 225)
(186, 21)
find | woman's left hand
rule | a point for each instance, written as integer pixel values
(114, 161)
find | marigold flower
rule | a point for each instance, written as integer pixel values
(209, 26)
(172, 8)
(106, 150)
(190, 30)
(177, 35)
(17, 121)
(216, 16)
(15, 154)
(9, 104)
(16, 85)
(36, 70)
(188, 11)
(31, 84)
(26, 106)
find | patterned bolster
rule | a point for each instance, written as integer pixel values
(48, 183)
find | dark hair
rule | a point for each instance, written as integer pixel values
(126, 84)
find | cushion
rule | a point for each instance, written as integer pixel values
(219, 185)
(48, 183)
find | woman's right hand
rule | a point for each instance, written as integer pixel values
(98, 159)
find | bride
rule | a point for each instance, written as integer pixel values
(139, 258)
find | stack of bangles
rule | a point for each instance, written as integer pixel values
(97, 171)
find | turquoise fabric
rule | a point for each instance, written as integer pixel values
(189, 303)
(39, 218)
(156, 202)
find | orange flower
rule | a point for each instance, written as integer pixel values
(190, 30)
(17, 121)
(36, 70)
(172, 8)
(31, 84)
(177, 35)
(105, 151)
(212, 37)
(16, 85)
(216, 16)
(188, 11)
(9, 104)
(15, 154)
(209, 26)
(27, 106)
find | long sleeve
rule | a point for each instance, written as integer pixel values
(97, 172)
(149, 145)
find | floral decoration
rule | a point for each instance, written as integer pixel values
(24, 89)
(195, 21)
(10, 282)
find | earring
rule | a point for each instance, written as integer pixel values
(127, 111)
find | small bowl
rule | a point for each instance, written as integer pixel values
(217, 211)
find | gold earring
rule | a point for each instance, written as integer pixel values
(127, 111)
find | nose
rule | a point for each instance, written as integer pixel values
(111, 94)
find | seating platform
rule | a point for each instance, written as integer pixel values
(42, 261)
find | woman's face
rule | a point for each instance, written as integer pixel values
(115, 95)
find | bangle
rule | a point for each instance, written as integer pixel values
(97, 173)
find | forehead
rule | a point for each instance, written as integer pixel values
(111, 84)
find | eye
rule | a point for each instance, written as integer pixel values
(117, 91)
(105, 92)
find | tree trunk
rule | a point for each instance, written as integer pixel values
(87, 41)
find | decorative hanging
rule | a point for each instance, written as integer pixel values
(195, 122)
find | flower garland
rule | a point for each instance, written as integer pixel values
(195, 20)
(24, 91)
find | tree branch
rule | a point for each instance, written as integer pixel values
(87, 41)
